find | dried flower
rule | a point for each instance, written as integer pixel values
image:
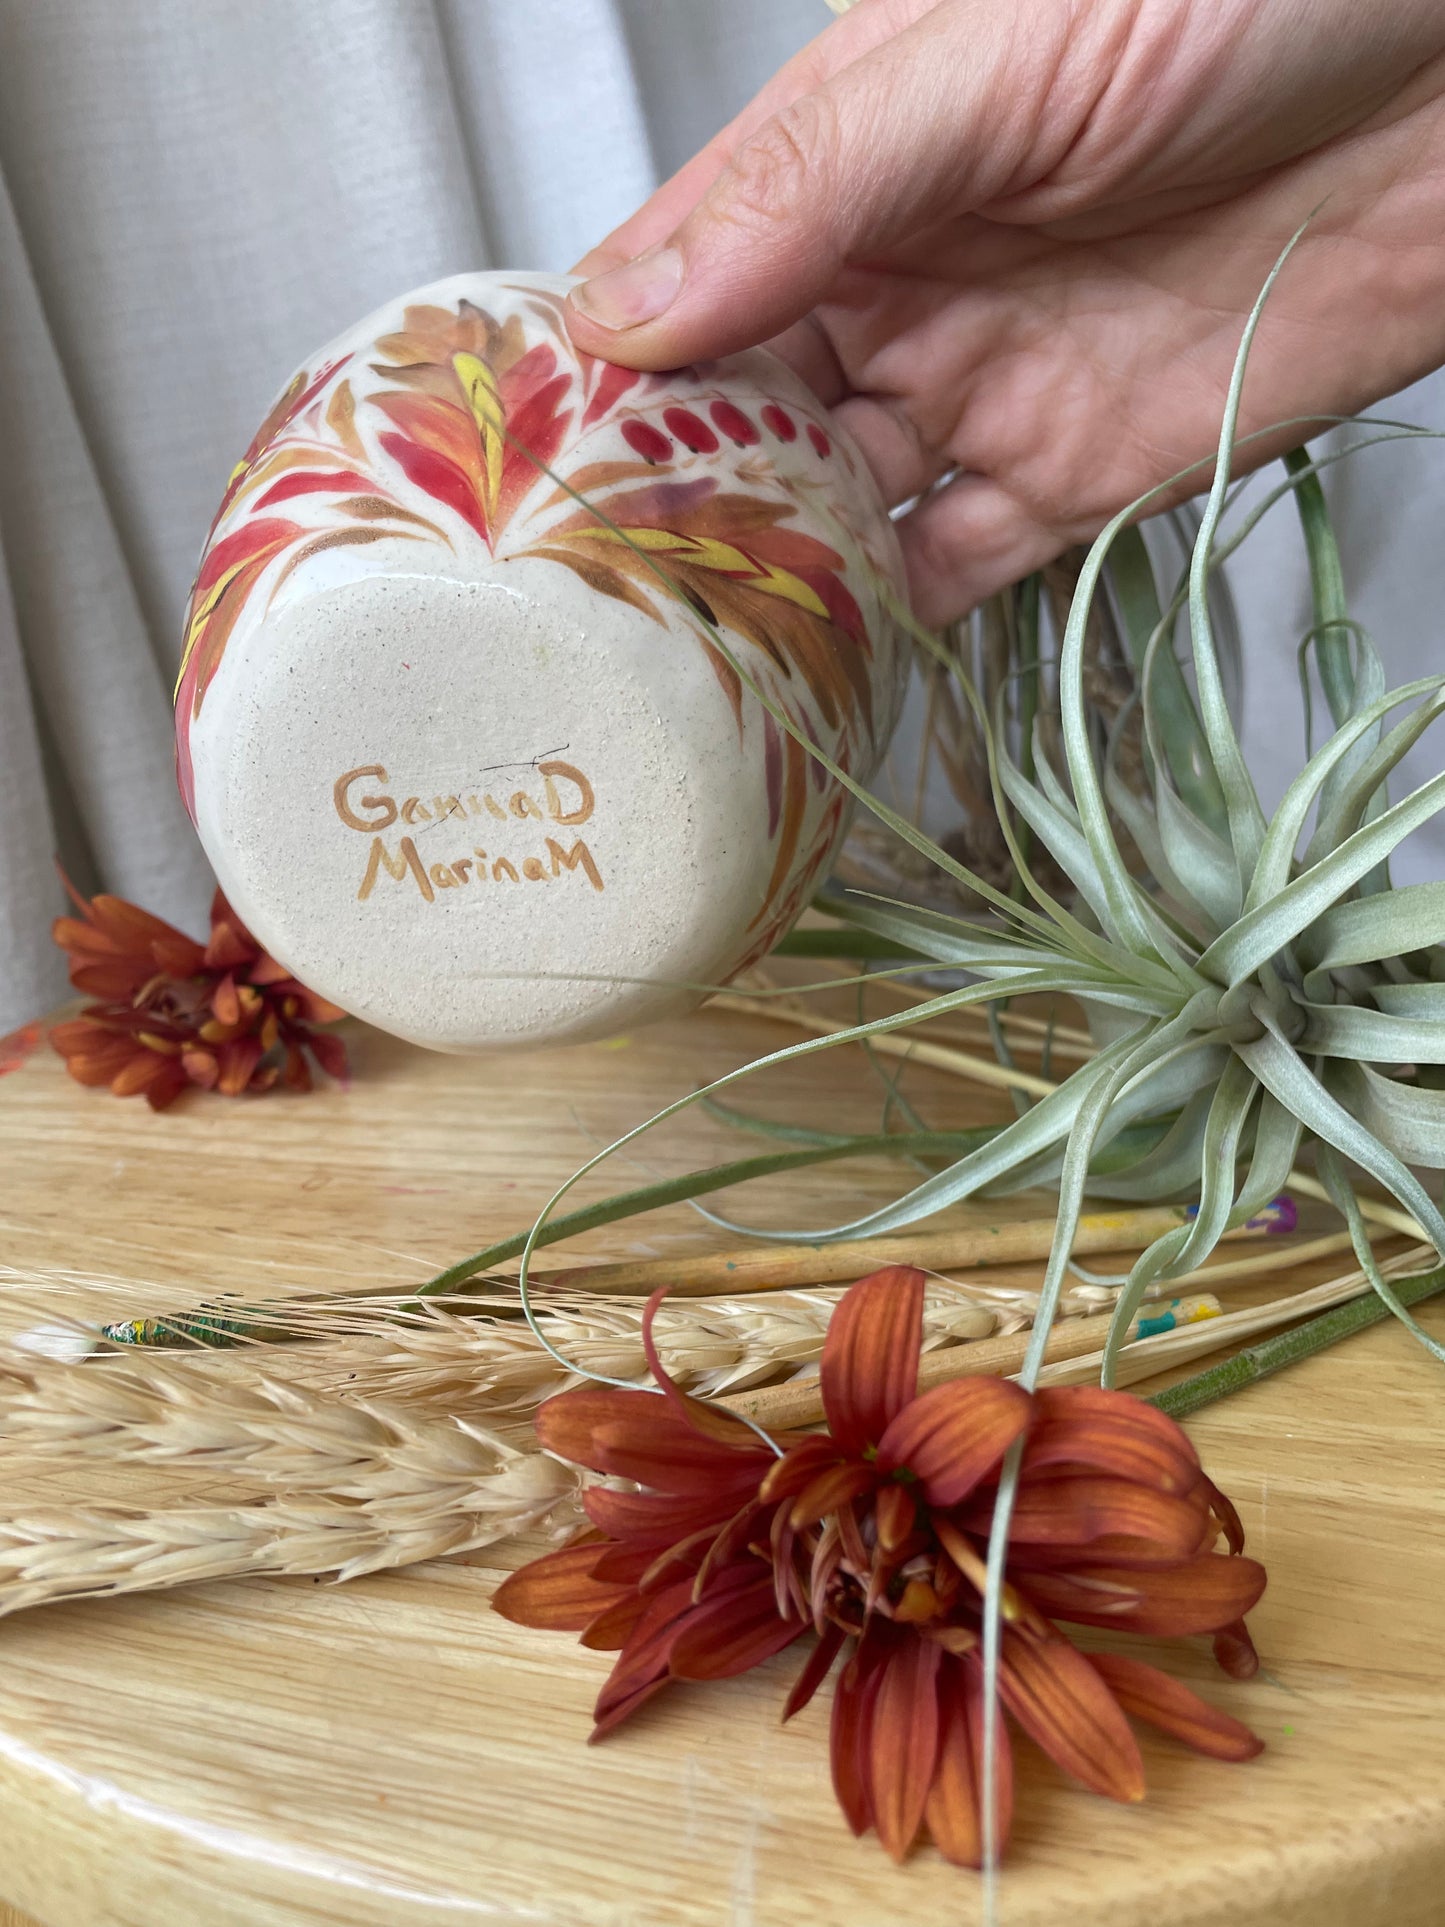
(872, 1535)
(174, 1012)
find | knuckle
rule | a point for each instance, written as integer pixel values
(770, 171)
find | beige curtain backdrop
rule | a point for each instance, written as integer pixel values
(194, 194)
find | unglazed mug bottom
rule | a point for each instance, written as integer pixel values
(530, 825)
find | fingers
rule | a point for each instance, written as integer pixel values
(929, 123)
(849, 38)
(969, 540)
(887, 435)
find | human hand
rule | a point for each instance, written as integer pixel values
(1013, 243)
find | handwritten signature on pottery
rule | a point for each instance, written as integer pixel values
(567, 799)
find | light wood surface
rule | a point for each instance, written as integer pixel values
(279, 1753)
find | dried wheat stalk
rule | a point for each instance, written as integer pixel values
(358, 1487)
(709, 1345)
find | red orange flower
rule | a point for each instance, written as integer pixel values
(872, 1536)
(174, 1012)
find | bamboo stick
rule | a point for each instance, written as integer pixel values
(800, 1401)
(781, 1266)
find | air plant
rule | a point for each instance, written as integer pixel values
(1264, 989)
(1249, 997)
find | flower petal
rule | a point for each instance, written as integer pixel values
(954, 1435)
(954, 1810)
(1061, 1702)
(638, 1435)
(869, 1369)
(830, 1490)
(1200, 1595)
(1077, 1511)
(730, 1633)
(643, 1661)
(558, 1592)
(1147, 1694)
(816, 1668)
(623, 1708)
(894, 1513)
(226, 1001)
(610, 1631)
(1114, 1432)
(903, 1742)
(789, 1474)
(1234, 1651)
(848, 1735)
(674, 1458)
(649, 1519)
(237, 1060)
(1225, 1515)
(700, 1417)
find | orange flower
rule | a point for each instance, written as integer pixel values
(222, 1014)
(873, 1537)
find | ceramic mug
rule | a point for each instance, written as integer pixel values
(458, 739)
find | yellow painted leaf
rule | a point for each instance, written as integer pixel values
(479, 385)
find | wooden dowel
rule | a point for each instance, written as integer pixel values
(800, 1400)
(779, 1267)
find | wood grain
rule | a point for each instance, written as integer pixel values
(275, 1753)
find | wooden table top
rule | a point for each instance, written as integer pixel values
(282, 1753)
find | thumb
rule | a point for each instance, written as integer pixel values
(936, 122)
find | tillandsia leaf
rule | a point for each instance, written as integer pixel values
(1124, 913)
(1335, 820)
(1418, 1001)
(1242, 806)
(1185, 751)
(1132, 1056)
(1407, 1120)
(1233, 1100)
(1270, 926)
(1411, 917)
(1283, 1072)
(1347, 1030)
(1058, 923)
(1277, 1136)
(1276, 856)
(1134, 813)
(1327, 586)
(1192, 850)
(1345, 807)
(1170, 1168)
(717, 1177)
(864, 946)
(1335, 1178)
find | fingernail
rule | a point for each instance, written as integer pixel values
(638, 291)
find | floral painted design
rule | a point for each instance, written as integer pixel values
(444, 429)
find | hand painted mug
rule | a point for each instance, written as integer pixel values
(459, 740)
